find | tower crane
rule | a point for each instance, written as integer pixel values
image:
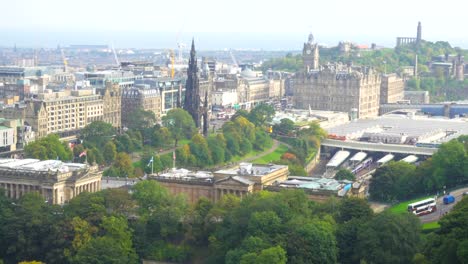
(115, 56)
(181, 46)
(172, 63)
(65, 62)
(233, 58)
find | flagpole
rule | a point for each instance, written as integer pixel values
(173, 159)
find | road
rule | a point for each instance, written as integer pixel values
(443, 208)
(114, 182)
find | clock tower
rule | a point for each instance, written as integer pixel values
(310, 54)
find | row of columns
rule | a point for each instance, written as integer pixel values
(16, 190)
(220, 192)
(88, 187)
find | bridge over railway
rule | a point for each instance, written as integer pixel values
(374, 147)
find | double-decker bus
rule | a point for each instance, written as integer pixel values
(423, 207)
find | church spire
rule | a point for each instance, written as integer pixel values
(192, 88)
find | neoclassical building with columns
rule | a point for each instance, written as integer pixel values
(240, 181)
(56, 181)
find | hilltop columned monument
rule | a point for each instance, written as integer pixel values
(192, 101)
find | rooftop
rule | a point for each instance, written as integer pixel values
(401, 124)
(250, 169)
(314, 183)
(38, 165)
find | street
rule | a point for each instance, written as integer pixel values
(443, 208)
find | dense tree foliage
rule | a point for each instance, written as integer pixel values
(344, 174)
(49, 147)
(114, 226)
(398, 180)
(389, 238)
(450, 243)
(97, 134)
(290, 63)
(180, 124)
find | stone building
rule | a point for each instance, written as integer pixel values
(112, 104)
(336, 87)
(142, 98)
(310, 54)
(391, 89)
(400, 41)
(66, 112)
(172, 91)
(252, 88)
(56, 181)
(241, 181)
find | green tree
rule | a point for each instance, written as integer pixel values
(217, 145)
(141, 120)
(389, 238)
(109, 152)
(273, 255)
(344, 174)
(312, 242)
(97, 134)
(285, 127)
(392, 182)
(49, 147)
(123, 165)
(351, 207)
(347, 238)
(450, 162)
(161, 136)
(261, 114)
(29, 231)
(449, 243)
(199, 148)
(180, 124)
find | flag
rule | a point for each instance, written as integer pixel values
(82, 154)
(150, 161)
(173, 155)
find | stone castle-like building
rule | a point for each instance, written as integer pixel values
(335, 87)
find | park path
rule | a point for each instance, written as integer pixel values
(273, 148)
(136, 156)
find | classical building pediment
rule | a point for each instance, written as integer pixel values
(234, 181)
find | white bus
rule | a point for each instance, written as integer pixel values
(426, 206)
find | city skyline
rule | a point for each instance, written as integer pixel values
(243, 24)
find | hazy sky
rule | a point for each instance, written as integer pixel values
(127, 22)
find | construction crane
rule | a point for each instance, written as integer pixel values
(233, 58)
(65, 62)
(181, 46)
(172, 63)
(115, 56)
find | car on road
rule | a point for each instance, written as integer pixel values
(465, 193)
(448, 199)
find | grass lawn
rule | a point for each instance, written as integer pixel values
(275, 155)
(251, 154)
(430, 226)
(403, 206)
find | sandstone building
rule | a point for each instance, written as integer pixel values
(336, 87)
(391, 89)
(245, 179)
(56, 181)
(140, 98)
